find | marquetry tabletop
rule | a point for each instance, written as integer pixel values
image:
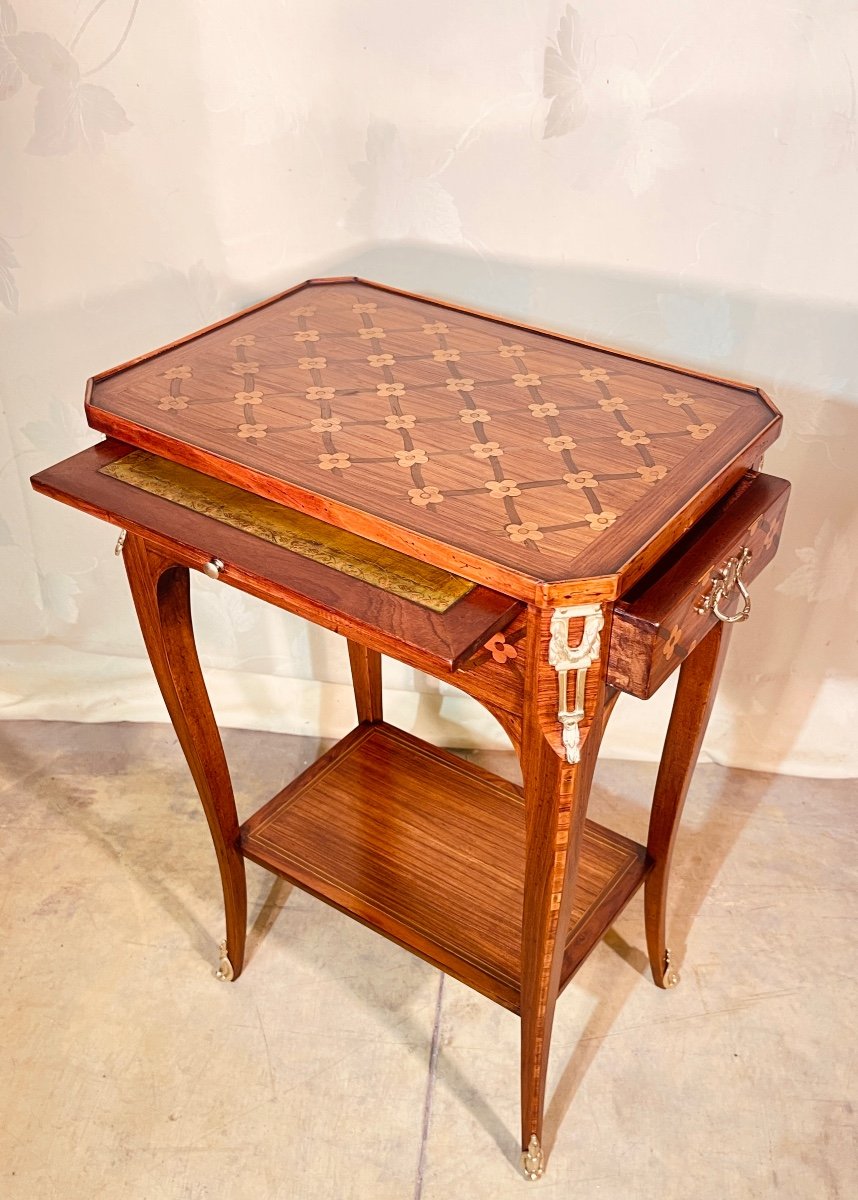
(511, 455)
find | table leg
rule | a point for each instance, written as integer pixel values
(161, 592)
(695, 695)
(556, 793)
(366, 680)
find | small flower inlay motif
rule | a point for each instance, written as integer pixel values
(612, 404)
(498, 488)
(460, 385)
(249, 430)
(581, 479)
(364, 308)
(390, 389)
(699, 432)
(511, 351)
(436, 327)
(594, 375)
(306, 335)
(400, 421)
(320, 393)
(556, 444)
(529, 380)
(526, 532)
(652, 474)
(374, 331)
(500, 649)
(544, 410)
(326, 425)
(254, 397)
(672, 642)
(246, 339)
(486, 449)
(245, 368)
(306, 310)
(409, 458)
(334, 462)
(178, 373)
(442, 356)
(474, 416)
(172, 403)
(602, 520)
(677, 399)
(633, 437)
(312, 364)
(771, 535)
(380, 360)
(425, 495)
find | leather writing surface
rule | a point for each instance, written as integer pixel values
(336, 548)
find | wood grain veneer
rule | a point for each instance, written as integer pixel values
(429, 850)
(656, 625)
(529, 462)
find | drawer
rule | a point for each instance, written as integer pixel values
(381, 597)
(660, 621)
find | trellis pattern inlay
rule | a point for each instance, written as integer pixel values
(435, 419)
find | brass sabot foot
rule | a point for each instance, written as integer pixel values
(533, 1160)
(670, 976)
(224, 972)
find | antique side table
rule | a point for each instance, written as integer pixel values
(541, 522)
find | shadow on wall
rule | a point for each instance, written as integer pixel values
(794, 656)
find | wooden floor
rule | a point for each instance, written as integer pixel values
(340, 1067)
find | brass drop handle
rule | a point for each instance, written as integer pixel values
(213, 568)
(739, 616)
(723, 583)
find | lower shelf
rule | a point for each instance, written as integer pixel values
(429, 850)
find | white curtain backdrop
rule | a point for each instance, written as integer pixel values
(679, 179)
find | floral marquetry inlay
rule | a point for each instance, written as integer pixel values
(500, 649)
(523, 448)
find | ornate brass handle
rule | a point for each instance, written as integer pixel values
(722, 585)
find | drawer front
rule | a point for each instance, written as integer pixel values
(702, 580)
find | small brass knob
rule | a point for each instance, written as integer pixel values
(213, 568)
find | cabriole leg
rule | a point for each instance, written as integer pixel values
(161, 593)
(695, 695)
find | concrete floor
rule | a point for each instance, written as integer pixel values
(339, 1066)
